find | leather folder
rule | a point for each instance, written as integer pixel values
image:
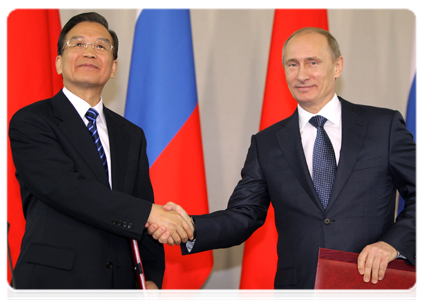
(338, 270)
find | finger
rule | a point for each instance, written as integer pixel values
(170, 206)
(383, 266)
(368, 267)
(184, 231)
(375, 270)
(176, 238)
(159, 232)
(188, 230)
(151, 228)
(170, 241)
(164, 237)
(361, 260)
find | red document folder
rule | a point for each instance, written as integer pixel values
(338, 270)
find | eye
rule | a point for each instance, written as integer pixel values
(102, 46)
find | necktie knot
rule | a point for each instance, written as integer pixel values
(91, 115)
(318, 121)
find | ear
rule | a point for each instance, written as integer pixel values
(59, 64)
(339, 65)
(114, 69)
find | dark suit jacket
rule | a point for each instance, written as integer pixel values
(77, 229)
(377, 158)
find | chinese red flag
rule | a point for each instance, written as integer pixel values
(32, 36)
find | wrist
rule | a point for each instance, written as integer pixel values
(194, 224)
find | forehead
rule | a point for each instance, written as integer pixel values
(307, 44)
(89, 30)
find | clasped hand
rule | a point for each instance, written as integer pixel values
(170, 224)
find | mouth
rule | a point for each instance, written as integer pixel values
(89, 66)
(304, 88)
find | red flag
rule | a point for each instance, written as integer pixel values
(32, 36)
(260, 257)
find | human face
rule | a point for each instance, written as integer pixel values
(87, 69)
(311, 71)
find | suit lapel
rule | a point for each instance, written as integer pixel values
(354, 126)
(289, 139)
(72, 126)
(119, 146)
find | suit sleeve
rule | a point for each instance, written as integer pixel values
(47, 171)
(246, 211)
(402, 164)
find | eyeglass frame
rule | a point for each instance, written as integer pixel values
(92, 44)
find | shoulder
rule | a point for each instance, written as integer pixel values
(367, 110)
(119, 120)
(290, 123)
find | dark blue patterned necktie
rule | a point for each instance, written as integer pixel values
(324, 161)
(91, 116)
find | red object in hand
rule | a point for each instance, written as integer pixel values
(139, 272)
(338, 270)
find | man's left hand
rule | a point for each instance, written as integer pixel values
(374, 259)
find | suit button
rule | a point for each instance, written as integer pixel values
(109, 265)
(114, 222)
(130, 225)
(120, 223)
(326, 221)
(124, 224)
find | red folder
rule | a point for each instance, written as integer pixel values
(338, 270)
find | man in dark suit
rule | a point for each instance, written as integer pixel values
(370, 151)
(86, 192)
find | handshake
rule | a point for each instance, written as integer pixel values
(170, 224)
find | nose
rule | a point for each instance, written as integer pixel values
(89, 50)
(302, 74)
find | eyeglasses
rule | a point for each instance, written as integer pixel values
(99, 46)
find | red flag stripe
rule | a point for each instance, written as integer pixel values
(178, 175)
(32, 36)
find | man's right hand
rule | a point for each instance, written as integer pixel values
(162, 232)
(167, 225)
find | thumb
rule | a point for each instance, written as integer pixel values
(170, 206)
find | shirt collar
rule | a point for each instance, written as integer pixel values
(331, 111)
(82, 106)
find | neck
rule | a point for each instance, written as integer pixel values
(90, 95)
(314, 108)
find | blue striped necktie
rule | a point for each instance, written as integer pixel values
(91, 116)
(324, 161)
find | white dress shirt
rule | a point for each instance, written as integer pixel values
(82, 107)
(333, 127)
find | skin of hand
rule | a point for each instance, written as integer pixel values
(161, 233)
(374, 259)
(170, 222)
(152, 290)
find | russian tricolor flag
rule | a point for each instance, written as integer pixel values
(412, 117)
(162, 99)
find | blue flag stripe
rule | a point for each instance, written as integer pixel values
(410, 121)
(411, 109)
(162, 91)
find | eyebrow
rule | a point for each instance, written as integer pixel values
(290, 60)
(83, 37)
